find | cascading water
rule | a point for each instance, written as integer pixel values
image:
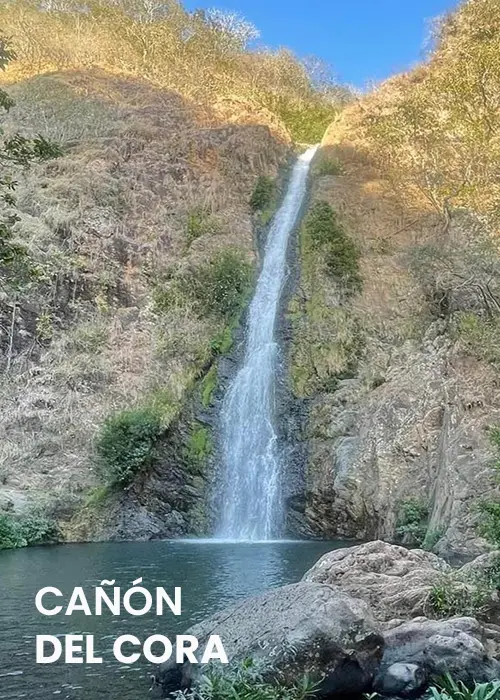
(251, 507)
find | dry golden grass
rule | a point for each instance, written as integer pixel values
(107, 220)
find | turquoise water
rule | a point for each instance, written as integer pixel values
(212, 575)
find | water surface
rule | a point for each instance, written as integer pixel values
(211, 574)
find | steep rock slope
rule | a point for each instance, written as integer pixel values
(402, 392)
(151, 193)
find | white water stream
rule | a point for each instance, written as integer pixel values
(251, 503)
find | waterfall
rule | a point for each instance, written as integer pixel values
(251, 503)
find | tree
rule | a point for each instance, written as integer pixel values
(15, 151)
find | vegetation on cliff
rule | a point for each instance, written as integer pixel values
(173, 128)
(210, 57)
(411, 168)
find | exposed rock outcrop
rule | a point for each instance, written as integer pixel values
(303, 628)
(461, 647)
(394, 581)
(407, 416)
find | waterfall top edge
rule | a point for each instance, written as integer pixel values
(308, 154)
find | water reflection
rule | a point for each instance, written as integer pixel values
(211, 574)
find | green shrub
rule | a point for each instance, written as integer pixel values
(411, 524)
(324, 232)
(30, 528)
(199, 447)
(489, 524)
(306, 120)
(246, 683)
(263, 193)
(479, 334)
(38, 528)
(208, 384)
(222, 286)
(127, 443)
(452, 597)
(200, 222)
(11, 536)
(327, 166)
(448, 689)
(219, 287)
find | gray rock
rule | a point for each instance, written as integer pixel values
(395, 581)
(402, 679)
(457, 646)
(305, 627)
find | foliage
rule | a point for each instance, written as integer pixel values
(204, 55)
(411, 524)
(435, 131)
(10, 533)
(127, 443)
(199, 446)
(327, 166)
(465, 594)
(199, 223)
(263, 193)
(208, 385)
(452, 597)
(479, 334)
(245, 683)
(341, 256)
(31, 528)
(449, 689)
(218, 287)
(489, 524)
(15, 151)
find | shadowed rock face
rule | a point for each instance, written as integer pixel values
(461, 647)
(302, 628)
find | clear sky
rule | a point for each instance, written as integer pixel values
(363, 40)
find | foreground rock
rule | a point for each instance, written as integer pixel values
(422, 649)
(302, 628)
(394, 581)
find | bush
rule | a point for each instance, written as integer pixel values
(453, 597)
(38, 528)
(31, 528)
(222, 285)
(127, 443)
(10, 533)
(448, 689)
(327, 166)
(219, 287)
(479, 335)
(411, 524)
(263, 193)
(324, 232)
(199, 223)
(489, 525)
(245, 683)
(208, 385)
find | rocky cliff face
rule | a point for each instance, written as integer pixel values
(409, 422)
(151, 192)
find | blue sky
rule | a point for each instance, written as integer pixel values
(363, 40)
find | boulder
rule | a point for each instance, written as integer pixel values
(395, 581)
(289, 631)
(403, 680)
(460, 646)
